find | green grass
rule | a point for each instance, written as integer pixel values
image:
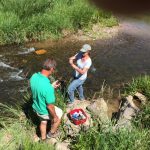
(120, 140)
(18, 125)
(137, 138)
(27, 20)
(17, 131)
(139, 84)
(142, 120)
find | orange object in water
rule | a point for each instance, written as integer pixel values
(41, 51)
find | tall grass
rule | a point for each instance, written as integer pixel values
(17, 132)
(142, 120)
(18, 125)
(120, 140)
(139, 84)
(27, 20)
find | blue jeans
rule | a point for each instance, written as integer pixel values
(76, 84)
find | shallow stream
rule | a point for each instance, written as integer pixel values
(115, 60)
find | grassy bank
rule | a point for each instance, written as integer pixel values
(121, 140)
(27, 20)
(18, 126)
(140, 84)
(137, 138)
(17, 131)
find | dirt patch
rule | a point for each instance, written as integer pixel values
(95, 33)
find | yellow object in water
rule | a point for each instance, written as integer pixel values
(41, 51)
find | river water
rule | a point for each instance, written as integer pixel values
(115, 60)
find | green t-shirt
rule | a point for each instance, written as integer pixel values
(42, 93)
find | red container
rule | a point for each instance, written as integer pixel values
(77, 122)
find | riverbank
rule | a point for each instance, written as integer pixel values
(96, 32)
(18, 131)
(40, 20)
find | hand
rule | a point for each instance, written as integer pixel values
(56, 84)
(71, 61)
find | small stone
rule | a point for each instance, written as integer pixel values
(130, 100)
(52, 141)
(141, 97)
(62, 146)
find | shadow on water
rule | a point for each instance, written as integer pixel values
(116, 60)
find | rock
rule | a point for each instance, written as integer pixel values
(35, 138)
(62, 146)
(72, 129)
(99, 108)
(129, 113)
(79, 104)
(130, 100)
(123, 123)
(52, 141)
(141, 97)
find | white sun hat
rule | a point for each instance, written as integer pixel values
(85, 48)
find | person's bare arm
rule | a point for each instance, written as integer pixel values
(81, 71)
(51, 109)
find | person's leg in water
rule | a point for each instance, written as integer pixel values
(80, 90)
(72, 87)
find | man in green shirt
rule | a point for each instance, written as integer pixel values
(44, 98)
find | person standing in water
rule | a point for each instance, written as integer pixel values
(81, 63)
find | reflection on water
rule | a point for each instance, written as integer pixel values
(115, 60)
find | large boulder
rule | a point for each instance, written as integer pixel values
(99, 108)
(127, 111)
